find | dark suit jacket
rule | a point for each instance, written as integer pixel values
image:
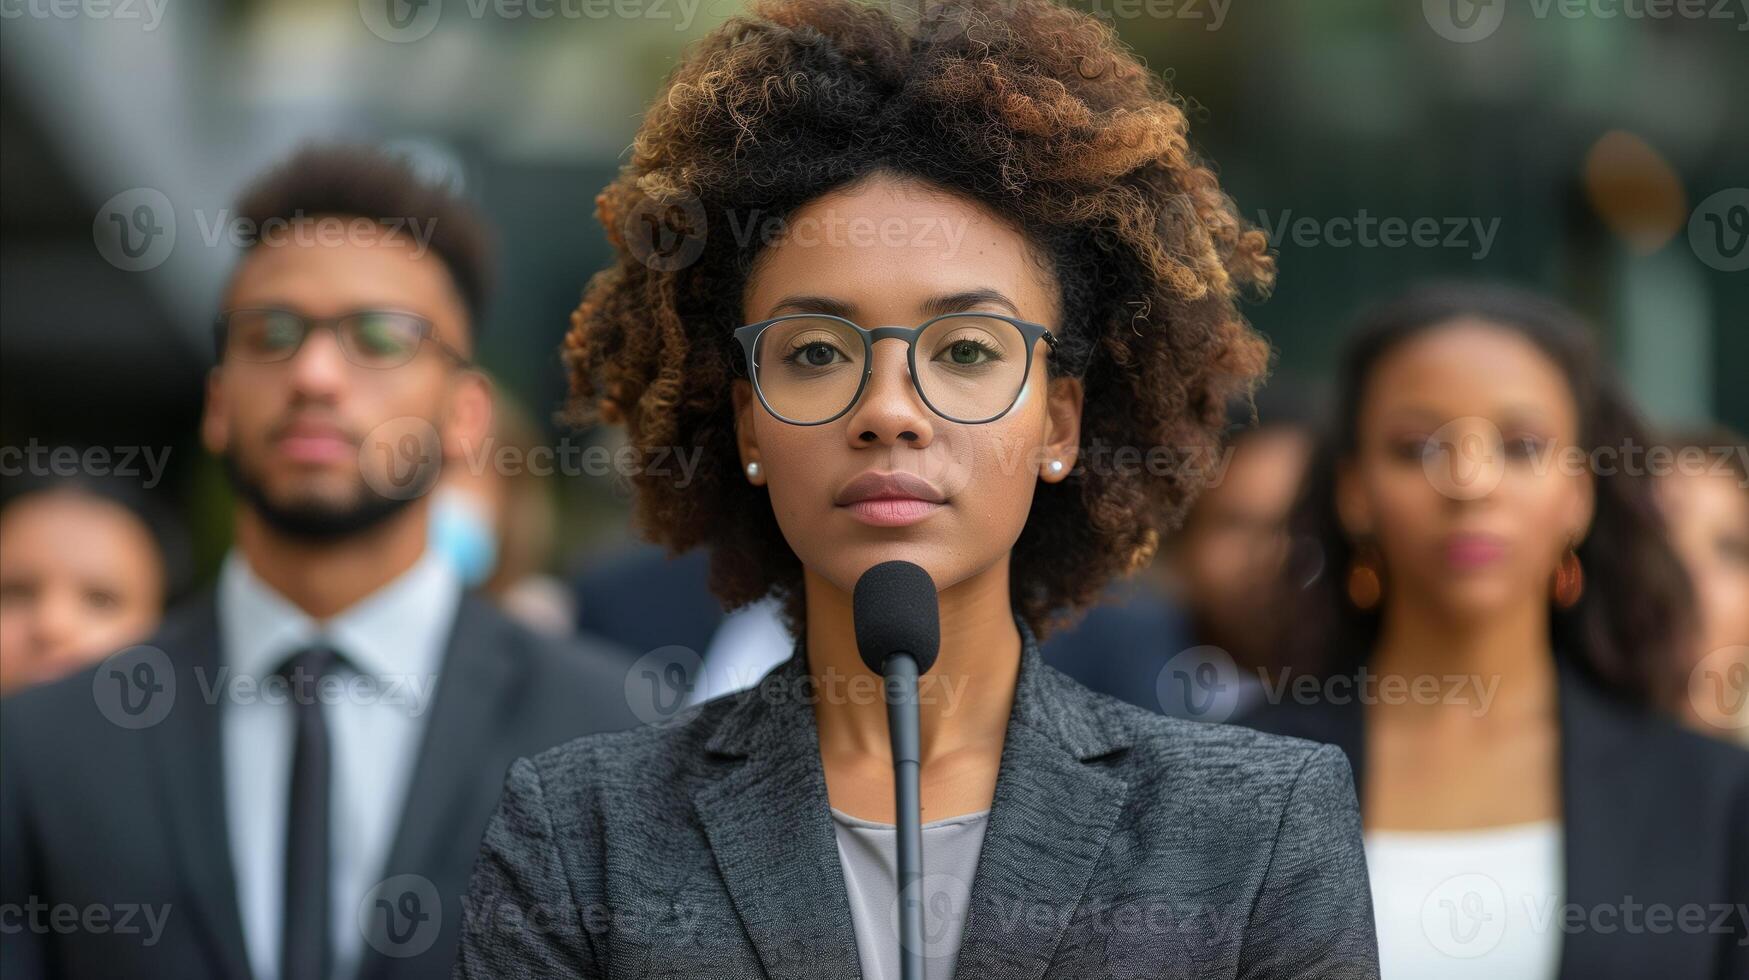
(1653, 816)
(643, 599)
(1120, 844)
(94, 815)
(1122, 644)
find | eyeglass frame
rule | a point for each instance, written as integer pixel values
(427, 331)
(1030, 333)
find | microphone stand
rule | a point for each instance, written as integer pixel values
(900, 673)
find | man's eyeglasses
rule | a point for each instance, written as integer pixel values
(368, 338)
(810, 368)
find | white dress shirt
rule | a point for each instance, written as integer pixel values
(747, 644)
(1468, 904)
(393, 642)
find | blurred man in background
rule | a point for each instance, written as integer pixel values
(291, 779)
(85, 568)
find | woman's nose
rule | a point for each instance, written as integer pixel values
(890, 410)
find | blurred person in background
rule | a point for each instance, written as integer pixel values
(86, 567)
(493, 517)
(292, 776)
(1208, 597)
(1496, 618)
(1706, 498)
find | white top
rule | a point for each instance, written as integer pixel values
(1468, 904)
(394, 641)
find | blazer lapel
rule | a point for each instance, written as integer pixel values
(1049, 823)
(770, 829)
(478, 675)
(185, 749)
(1605, 802)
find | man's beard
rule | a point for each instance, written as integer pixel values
(313, 521)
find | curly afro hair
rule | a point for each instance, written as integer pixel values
(1037, 112)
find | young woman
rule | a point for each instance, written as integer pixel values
(86, 566)
(1010, 182)
(1705, 492)
(1497, 618)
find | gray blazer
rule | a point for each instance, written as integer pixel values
(1121, 843)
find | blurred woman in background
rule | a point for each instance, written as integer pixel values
(1494, 615)
(1708, 509)
(85, 570)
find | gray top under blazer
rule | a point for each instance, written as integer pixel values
(1120, 844)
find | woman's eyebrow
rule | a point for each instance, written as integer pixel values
(962, 301)
(934, 306)
(812, 304)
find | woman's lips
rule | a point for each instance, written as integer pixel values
(891, 511)
(1470, 551)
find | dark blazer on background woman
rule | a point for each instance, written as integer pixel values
(1652, 815)
(1121, 843)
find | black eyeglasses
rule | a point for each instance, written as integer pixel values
(368, 338)
(810, 368)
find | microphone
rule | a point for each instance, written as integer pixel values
(898, 633)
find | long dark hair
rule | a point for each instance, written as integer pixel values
(1628, 628)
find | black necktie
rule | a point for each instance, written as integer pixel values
(303, 951)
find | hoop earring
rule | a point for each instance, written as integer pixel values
(1568, 583)
(1365, 583)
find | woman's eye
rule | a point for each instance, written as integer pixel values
(100, 599)
(1415, 450)
(1523, 447)
(816, 354)
(966, 353)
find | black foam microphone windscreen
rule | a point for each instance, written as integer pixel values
(896, 610)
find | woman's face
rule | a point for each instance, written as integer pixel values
(1709, 525)
(80, 579)
(1464, 471)
(887, 252)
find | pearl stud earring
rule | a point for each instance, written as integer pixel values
(753, 470)
(1056, 467)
